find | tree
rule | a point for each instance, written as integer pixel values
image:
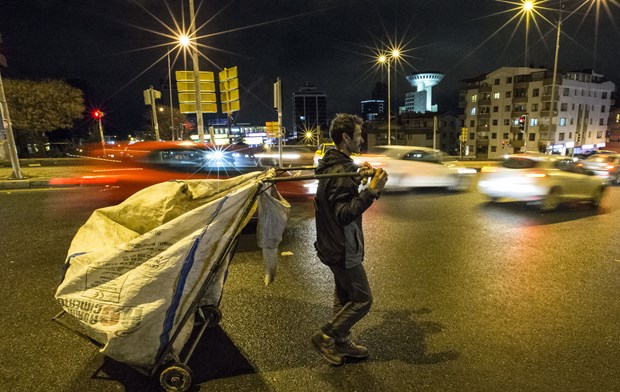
(163, 122)
(39, 107)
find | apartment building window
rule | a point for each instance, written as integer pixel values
(590, 121)
(594, 93)
(565, 91)
(573, 107)
(604, 95)
(493, 148)
(617, 118)
(472, 123)
(496, 109)
(509, 80)
(506, 121)
(561, 136)
(496, 82)
(472, 136)
(535, 92)
(533, 122)
(493, 135)
(496, 95)
(572, 121)
(562, 121)
(507, 108)
(473, 111)
(601, 121)
(532, 136)
(534, 107)
(508, 94)
(570, 135)
(603, 109)
(495, 122)
(599, 134)
(564, 107)
(474, 97)
(505, 136)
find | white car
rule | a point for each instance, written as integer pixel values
(415, 167)
(547, 180)
(605, 165)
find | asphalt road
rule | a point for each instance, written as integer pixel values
(468, 297)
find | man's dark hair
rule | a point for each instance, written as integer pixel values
(343, 123)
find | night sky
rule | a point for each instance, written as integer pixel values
(111, 46)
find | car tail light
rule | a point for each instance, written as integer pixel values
(609, 167)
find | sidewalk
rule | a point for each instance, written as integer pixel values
(37, 173)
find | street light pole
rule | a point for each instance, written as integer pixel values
(194, 50)
(389, 110)
(555, 69)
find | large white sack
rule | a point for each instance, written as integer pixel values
(133, 270)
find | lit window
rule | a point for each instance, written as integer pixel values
(474, 98)
(496, 95)
(562, 121)
(473, 111)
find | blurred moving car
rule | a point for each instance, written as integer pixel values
(547, 180)
(146, 163)
(605, 165)
(415, 167)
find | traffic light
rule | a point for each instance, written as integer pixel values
(463, 134)
(97, 114)
(521, 122)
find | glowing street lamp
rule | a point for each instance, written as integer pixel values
(387, 59)
(528, 8)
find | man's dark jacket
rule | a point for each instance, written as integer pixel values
(339, 207)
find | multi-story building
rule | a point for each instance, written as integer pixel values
(513, 109)
(416, 129)
(373, 109)
(309, 111)
(613, 129)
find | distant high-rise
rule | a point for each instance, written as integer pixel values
(309, 110)
(373, 109)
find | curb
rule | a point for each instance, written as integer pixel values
(25, 184)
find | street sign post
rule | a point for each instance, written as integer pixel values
(186, 85)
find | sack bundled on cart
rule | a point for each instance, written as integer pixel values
(137, 273)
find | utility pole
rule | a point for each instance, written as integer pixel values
(4, 107)
(154, 112)
(435, 132)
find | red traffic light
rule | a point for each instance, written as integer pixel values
(522, 120)
(97, 114)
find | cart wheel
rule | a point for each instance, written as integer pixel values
(213, 314)
(176, 378)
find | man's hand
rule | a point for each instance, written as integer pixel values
(378, 180)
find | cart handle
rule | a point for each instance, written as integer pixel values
(317, 176)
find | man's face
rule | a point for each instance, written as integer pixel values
(354, 144)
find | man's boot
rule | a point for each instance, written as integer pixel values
(346, 348)
(326, 347)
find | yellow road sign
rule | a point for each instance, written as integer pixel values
(190, 87)
(191, 107)
(188, 76)
(228, 73)
(228, 96)
(229, 107)
(191, 97)
(227, 85)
